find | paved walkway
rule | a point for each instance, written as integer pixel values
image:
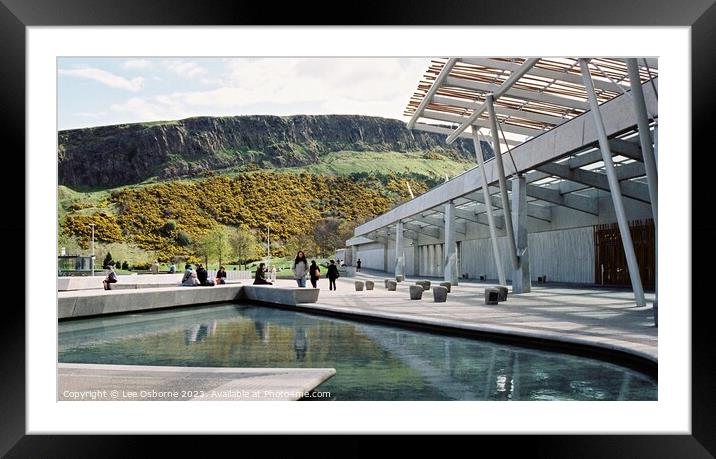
(599, 317)
(146, 383)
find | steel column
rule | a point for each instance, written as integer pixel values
(614, 186)
(520, 276)
(399, 254)
(488, 206)
(450, 252)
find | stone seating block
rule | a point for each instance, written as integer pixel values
(492, 296)
(392, 285)
(503, 292)
(369, 285)
(439, 294)
(424, 283)
(359, 286)
(447, 285)
(399, 278)
(416, 292)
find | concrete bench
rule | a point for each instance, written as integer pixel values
(108, 302)
(279, 295)
(119, 286)
(95, 283)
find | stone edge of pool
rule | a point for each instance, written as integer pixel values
(648, 361)
(102, 382)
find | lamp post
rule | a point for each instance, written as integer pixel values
(268, 244)
(92, 248)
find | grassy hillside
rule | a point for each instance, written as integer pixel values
(168, 218)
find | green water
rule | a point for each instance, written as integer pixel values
(372, 362)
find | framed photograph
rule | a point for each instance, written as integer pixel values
(87, 84)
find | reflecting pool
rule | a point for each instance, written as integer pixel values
(372, 362)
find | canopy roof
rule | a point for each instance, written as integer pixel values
(550, 93)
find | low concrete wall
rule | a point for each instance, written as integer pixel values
(95, 283)
(89, 303)
(287, 296)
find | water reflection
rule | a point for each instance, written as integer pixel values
(372, 362)
(198, 332)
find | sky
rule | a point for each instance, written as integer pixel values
(103, 91)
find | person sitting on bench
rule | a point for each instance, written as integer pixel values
(260, 278)
(111, 278)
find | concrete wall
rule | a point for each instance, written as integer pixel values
(371, 255)
(563, 256)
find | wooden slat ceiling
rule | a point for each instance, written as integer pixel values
(609, 74)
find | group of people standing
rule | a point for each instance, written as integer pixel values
(301, 270)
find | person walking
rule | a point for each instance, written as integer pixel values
(315, 272)
(332, 275)
(358, 265)
(300, 268)
(273, 274)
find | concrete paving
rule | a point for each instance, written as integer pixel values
(83, 382)
(606, 318)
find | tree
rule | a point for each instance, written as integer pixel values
(107, 260)
(302, 241)
(327, 235)
(125, 266)
(244, 244)
(215, 244)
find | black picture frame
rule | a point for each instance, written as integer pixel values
(16, 15)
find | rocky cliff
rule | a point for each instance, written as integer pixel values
(110, 156)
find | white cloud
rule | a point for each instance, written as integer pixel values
(285, 86)
(106, 78)
(134, 64)
(185, 69)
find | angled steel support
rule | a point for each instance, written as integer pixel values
(488, 206)
(615, 188)
(503, 184)
(647, 147)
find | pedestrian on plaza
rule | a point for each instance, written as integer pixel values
(332, 275)
(300, 268)
(315, 273)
